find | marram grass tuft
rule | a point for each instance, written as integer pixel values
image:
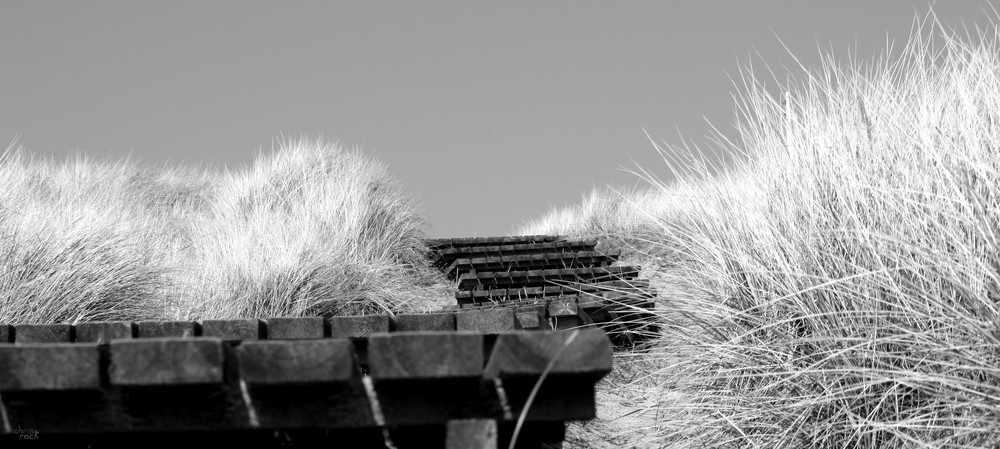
(839, 286)
(309, 230)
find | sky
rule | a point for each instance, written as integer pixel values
(491, 113)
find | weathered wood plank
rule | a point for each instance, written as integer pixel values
(49, 367)
(425, 355)
(590, 303)
(166, 361)
(563, 308)
(573, 362)
(358, 326)
(535, 278)
(43, 333)
(565, 314)
(526, 261)
(471, 434)
(294, 328)
(444, 256)
(487, 320)
(531, 320)
(296, 361)
(245, 329)
(529, 354)
(303, 384)
(425, 322)
(104, 331)
(484, 241)
(488, 295)
(165, 329)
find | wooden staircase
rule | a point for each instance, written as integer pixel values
(565, 283)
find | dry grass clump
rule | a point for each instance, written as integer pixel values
(311, 229)
(72, 245)
(840, 287)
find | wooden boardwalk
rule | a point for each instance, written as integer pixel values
(527, 340)
(565, 283)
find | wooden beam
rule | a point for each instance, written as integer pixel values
(166, 361)
(49, 367)
(425, 355)
(245, 329)
(471, 434)
(564, 367)
(43, 333)
(294, 328)
(104, 331)
(164, 329)
(530, 319)
(358, 326)
(563, 308)
(487, 320)
(296, 362)
(425, 322)
(529, 354)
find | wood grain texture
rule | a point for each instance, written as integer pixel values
(588, 302)
(483, 241)
(43, 333)
(296, 362)
(531, 320)
(487, 320)
(471, 434)
(529, 278)
(469, 251)
(245, 329)
(358, 326)
(563, 307)
(425, 355)
(49, 367)
(104, 331)
(529, 353)
(541, 306)
(164, 329)
(292, 328)
(166, 361)
(425, 322)
(525, 261)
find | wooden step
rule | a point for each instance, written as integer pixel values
(539, 261)
(447, 255)
(636, 287)
(622, 315)
(465, 242)
(540, 278)
(611, 300)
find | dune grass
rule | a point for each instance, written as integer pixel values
(311, 229)
(839, 286)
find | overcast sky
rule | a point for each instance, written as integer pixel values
(491, 113)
